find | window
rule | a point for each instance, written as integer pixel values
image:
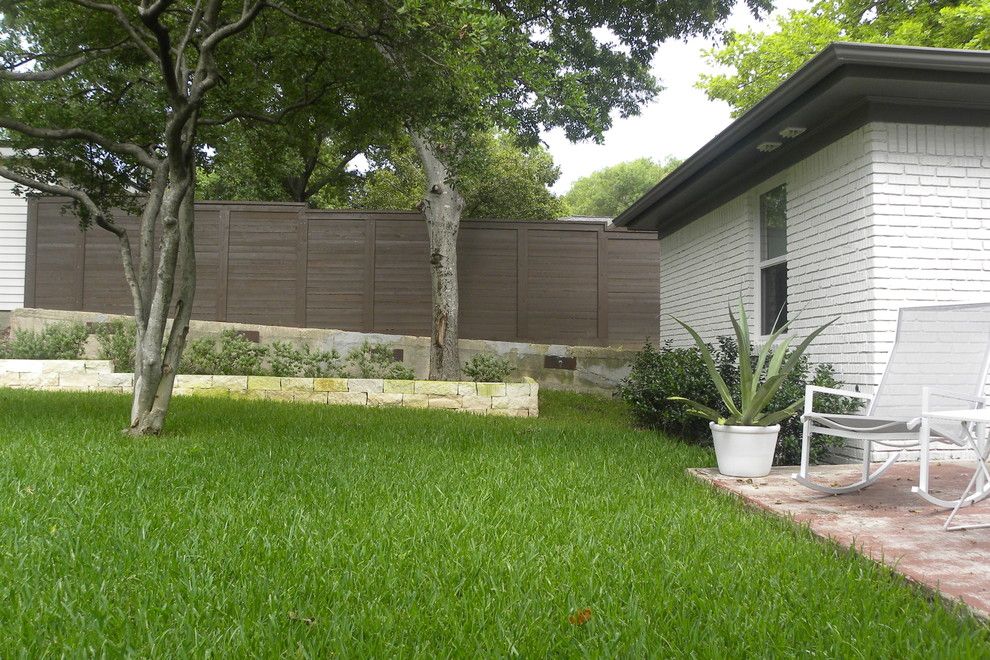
(773, 259)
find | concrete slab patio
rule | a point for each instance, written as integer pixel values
(886, 522)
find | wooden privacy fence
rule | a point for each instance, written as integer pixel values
(285, 264)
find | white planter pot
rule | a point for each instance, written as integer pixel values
(744, 451)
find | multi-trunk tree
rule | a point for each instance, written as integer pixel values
(106, 102)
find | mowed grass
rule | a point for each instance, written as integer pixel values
(269, 529)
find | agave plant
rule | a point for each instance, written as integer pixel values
(757, 384)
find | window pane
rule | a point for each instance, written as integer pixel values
(773, 223)
(773, 297)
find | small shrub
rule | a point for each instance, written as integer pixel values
(232, 355)
(658, 373)
(284, 359)
(487, 368)
(377, 361)
(117, 340)
(59, 341)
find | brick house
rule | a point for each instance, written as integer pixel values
(860, 185)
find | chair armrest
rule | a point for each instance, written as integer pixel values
(927, 393)
(811, 390)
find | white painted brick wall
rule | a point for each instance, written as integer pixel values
(13, 237)
(887, 216)
(708, 264)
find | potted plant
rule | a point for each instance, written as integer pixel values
(745, 436)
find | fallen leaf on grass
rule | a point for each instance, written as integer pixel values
(294, 616)
(580, 617)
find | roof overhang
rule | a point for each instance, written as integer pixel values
(841, 89)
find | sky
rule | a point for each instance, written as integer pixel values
(677, 123)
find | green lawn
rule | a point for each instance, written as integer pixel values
(277, 529)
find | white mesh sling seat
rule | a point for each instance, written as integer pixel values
(944, 348)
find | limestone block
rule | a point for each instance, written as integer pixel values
(385, 399)
(366, 385)
(62, 366)
(508, 412)
(210, 391)
(447, 402)
(80, 379)
(476, 402)
(491, 389)
(400, 386)
(276, 395)
(231, 383)
(99, 366)
(466, 388)
(310, 397)
(115, 380)
(297, 384)
(517, 389)
(11, 379)
(440, 387)
(330, 384)
(21, 366)
(511, 402)
(264, 383)
(193, 381)
(348, 398)
(415, 400)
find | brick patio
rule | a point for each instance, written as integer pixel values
(886, 522)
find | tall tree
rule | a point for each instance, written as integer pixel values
(758, 62)
(609, 191)
(521, 65)
(101, 99)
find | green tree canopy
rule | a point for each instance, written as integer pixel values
(502, 179)
(758, 62)
(609, 191)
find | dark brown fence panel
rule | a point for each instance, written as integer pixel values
(633, 310)
(283, 264)
(402, 278)
(337, 272)
(59, 274)
(487, 278)
(261, 265)
(562, 274)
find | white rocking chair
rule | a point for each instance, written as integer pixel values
(944, 348)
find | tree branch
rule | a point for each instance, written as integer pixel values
(124, 22)
(129, 149)
(59, 71)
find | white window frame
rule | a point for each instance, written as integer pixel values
(759, 262)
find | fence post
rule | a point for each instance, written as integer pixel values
(302, 265)
(602, 286)
(31, 253)
(223, 255)
(368, 307)
(522, 283)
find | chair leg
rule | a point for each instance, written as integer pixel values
(980, 477)
(867, 480)
(805, 448)
(867, 456)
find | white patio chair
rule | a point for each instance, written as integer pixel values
(945, 348)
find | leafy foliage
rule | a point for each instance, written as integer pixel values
(759, 381)
(487, 368)
(660, 373)
(611, 190)
(117, 340)
(377, 361)
(758, 62)
(234, 355)
(58, 341)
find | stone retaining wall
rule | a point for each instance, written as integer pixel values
(590, 369)
(505, 399)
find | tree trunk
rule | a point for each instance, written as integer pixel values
(442, 205)
(157, 359)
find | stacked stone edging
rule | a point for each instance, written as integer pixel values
(505, 399)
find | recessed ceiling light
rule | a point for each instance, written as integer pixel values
(791, 131)
(767, 146)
